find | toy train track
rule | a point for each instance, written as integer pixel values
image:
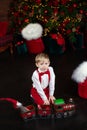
(60, 109)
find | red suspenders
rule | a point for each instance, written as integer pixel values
(40, 74)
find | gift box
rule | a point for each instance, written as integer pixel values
(59, 39)
(35, 46)
(78, 44)
(21, 48)
(85, 38)
(79, 41)
(52, 47)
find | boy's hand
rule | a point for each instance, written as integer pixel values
(46, 102)
(51, 99)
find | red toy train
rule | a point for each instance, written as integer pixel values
(60, 109)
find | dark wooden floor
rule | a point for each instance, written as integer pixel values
(15, 82)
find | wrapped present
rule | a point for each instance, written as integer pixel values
(35, 46)
(59, 38)
(21, 47)
(79, 41)
(51, 45)
(85, 38)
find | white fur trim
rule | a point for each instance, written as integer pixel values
(19, 104)
(80, 73)
(32, 31)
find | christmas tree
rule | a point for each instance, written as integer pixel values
(67, 17)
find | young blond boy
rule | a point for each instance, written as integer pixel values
(43, 79)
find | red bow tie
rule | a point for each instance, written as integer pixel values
(42, 73)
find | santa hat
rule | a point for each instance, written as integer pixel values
(79, 75)
(32, 31)
(16, 104)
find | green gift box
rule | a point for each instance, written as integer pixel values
(51, 46)
(59, 101)
(79, 41)
(21, 49)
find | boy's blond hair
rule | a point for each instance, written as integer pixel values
(40, 57)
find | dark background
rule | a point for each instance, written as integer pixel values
(15, 82)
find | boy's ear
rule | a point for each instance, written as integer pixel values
(36, 65)
(49, 62)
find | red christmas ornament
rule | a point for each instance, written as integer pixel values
(38, 1)
(74, 5)
(81, 11)
(45, 11)
(45, 19)
(50, 3)
(62, 13)
(68, 31)
(55, 11)
(25, 8)
(86, 13)
(60, 40)
(19, 22)
(55, 3)
(77, 29)
(63, 2)
(26, 20)
(70, 9)
(66, 21)
(16, 14)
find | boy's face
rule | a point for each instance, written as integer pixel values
(43, 64)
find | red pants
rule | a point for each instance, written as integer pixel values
(36, 96)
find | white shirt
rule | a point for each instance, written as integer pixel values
(39, 86)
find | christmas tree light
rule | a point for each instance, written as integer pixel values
(64, 16)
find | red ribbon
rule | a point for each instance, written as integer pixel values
(59, 38)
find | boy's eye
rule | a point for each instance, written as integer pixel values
(41, 64)
(47, 63)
